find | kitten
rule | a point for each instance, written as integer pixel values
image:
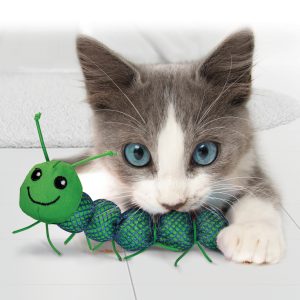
(185, 140)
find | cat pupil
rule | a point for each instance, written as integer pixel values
(203, 151)
(138, 152)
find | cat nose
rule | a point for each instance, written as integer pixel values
(174, 206)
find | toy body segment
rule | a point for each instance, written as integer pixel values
(103, 223)
(208, 227)
(81, 217)
(175, 230)
(134, 230)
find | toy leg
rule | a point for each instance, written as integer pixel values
(198, 243)
(203, 252)
(181, 256)
(98, 246)
(134, 254)
(186, 251)
(115, 250)
(113, 246)
(50, 242)
(69, 238)
(27, 227)
(89, 243)
(166, 247)
(155, 244)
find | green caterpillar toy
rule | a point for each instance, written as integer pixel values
(52, 193)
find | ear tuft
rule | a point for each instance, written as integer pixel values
(231, 63)
(103, 69)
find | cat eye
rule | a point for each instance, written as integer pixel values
(137, 155)
(205, 153)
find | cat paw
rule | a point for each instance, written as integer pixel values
(256, 243)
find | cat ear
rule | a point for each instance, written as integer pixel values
(231, 62)
(103, 69)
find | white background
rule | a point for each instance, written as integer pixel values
(59, 13)
(29, 269)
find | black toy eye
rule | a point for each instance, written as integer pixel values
(36, 174)
(60, 182)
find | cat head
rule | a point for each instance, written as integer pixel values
(180, 128)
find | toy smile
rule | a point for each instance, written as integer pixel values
(41, 203)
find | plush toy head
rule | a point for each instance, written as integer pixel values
(52, 191)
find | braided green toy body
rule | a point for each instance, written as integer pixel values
(134, 230)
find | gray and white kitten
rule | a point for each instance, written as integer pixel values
(185, 140)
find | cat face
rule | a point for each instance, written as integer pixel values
(180, 129)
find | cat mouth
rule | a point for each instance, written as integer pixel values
(41, 203)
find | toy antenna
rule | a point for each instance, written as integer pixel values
(86, 160)
(37, 118)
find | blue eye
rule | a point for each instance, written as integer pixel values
(137, 155)
(205, 153)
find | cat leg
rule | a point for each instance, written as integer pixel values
(255, 232)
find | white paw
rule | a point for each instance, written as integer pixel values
(256, 243)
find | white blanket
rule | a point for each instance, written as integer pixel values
(66, 118)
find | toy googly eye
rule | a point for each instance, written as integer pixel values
(60, 182)
(36, 174)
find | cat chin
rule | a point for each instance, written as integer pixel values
(151, 209)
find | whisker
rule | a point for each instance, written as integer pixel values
(227, 117)
(226, 194)
(241, 177)
(230, 203)
(237, 188)
(222, 127)
(213, 207)
(120, 197)
(120, 123)
(120, 112)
